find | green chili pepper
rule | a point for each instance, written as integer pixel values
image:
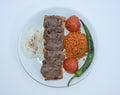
(89, 56)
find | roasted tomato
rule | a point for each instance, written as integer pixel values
(70, 65)
(73, 24)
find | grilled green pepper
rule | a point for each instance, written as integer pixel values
(89, 56)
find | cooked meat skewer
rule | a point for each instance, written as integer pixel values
(53, 47)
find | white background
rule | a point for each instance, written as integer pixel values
(104, 79)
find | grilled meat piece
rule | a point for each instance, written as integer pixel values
(52, 21)
(53, 33)
(53, 61)
(53, 41)
(49, 55)
(54, 57)
(54, 47)
(51, 71)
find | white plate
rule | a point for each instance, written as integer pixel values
(33, 66)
